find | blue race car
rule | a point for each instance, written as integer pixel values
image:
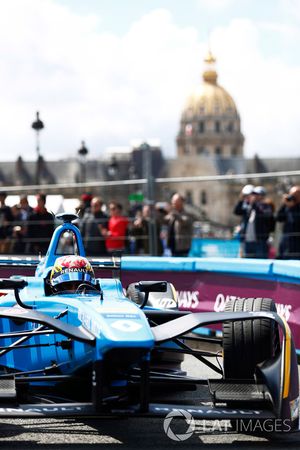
(75, 345)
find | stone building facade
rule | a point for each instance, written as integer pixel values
(210, 123)
(209, 142)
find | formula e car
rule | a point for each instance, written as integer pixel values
(102, 350)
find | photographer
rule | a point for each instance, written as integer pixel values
(289, 215)
(242, 209)
(260, 223)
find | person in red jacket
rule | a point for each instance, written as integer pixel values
(116, 233)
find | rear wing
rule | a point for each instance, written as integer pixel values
(112, 263)
(19, 261)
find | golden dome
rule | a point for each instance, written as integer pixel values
(209, 98)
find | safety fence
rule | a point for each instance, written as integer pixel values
(210, 238)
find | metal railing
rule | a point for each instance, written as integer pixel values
(283, 178)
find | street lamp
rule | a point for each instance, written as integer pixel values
(147, 173)
(113, 168)
(147, 170)
(37, 125)
(82, 152)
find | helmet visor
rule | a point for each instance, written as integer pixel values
(73, 276)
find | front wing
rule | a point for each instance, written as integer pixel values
(279, 377)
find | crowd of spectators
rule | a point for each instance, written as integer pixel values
(159, 229)
(258, 221)
(105, 228)
(109, 230)
(24, 229)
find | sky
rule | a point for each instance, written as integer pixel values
(110, 71)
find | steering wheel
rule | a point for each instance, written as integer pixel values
(82, 287)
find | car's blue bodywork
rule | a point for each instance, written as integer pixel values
(108, 314)
(99, 352)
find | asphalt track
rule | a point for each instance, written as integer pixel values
(65, 434)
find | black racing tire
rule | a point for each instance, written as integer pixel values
(248, 343)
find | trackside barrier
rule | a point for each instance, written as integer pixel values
(207, 284)
(272, 269)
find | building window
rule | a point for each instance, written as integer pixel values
(201, 127)
(200, 150)
(218, 151)
(189, 113)
(189, 197)
(217, 127)
(203, 198)
(230, 127)
(234, 151)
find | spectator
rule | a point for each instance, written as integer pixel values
(21, 229)
(17, 244)
(116, 234)
(93, 225)
(271, 246)
(141, 230)
(26, 209)
(6, 219)
(289, 216)
(40, 227)
(242, 209)
(259, 224)
(136, 232)
(84, 204)
(180, 227)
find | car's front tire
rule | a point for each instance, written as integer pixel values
(248, 343)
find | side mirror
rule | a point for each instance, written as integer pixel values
(8, 283)
(15, 285)
(150, 286)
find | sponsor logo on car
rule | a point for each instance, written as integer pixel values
(88, 322)
(164, 302)
(213, 411)
(127, 326)
(42, 410)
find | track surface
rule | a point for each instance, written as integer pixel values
(59, 434)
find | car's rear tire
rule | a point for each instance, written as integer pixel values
(248, 343)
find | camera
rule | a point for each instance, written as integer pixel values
(290, 198)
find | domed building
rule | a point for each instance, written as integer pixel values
(210, 122)
(209, 142)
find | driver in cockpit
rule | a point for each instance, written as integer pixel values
(72, 274)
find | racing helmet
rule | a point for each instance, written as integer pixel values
(70, 271)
